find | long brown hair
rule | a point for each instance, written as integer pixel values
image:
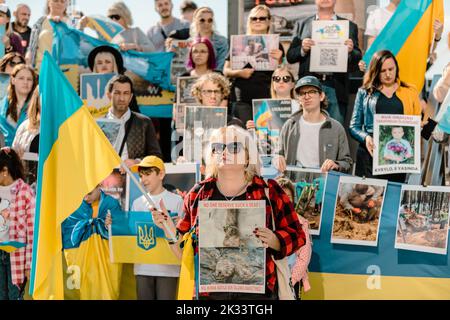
(12, 96)
(34, 110)
(372, 77)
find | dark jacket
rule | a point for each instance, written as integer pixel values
(341, 80)
(141, 138)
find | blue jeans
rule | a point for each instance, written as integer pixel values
(335, 111)
(8, 291)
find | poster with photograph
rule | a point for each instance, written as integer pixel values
(115, 186)
(199, 123)
(422, 222)
(93, 88)
(357, 212)
(285, 15)
(179, 179)
(181, 50)
(329, 54)
(269, 116)
(231, 257)
(4, 83)
(309, 193)
(184, 85)
(254, 51)
(397, 144)
(110, 128)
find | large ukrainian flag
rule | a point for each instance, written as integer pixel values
(409, 35)
(74, 156)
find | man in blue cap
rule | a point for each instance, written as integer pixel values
(310, 138)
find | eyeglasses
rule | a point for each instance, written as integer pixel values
(211, 92)
(114, 17)
(233, 147)
(210, 20)
(254, 19)
(309, 93)
(285, 79)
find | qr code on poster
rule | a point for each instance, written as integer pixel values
(328, 57)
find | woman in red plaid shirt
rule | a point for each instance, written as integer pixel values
(233, 174)
(17, 210)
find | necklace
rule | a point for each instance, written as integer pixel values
(237, 194)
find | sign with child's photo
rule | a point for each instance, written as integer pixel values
(397, 144)
(309, 192)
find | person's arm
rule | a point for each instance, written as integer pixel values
(357, 121)
(242, 73)
(442, 86)
(151, 143)
(30, 211)
(144, 42)
(222, 52)
(344, 160)
(300, 267)
(355, 55)
(295, 53)
(288, 229)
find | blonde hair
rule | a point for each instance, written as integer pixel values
(282, 68)
(195, 28)
(34, 110)
(252, 165)
(121, 9)
(214, 77)
(105, 54)
(253, 12)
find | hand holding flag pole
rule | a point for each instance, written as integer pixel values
(150, 201)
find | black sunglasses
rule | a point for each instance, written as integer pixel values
(254, 19)
(14, 63)
(210, 20)
(233, 147)
(285, 79)
(114, 17)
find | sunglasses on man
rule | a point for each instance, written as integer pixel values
(232, 147)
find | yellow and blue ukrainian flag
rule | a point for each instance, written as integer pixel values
(409, 35)
(105, 27)
(74, 156)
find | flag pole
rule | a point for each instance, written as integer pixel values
(145, 193)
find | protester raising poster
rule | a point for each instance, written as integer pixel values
(254, 51)
(93, 88)
(358, 210)
(181, 50)
(422, 223)
(329, 53)
(309, 191)
(110, 128)
(269, 116)
(231, 257)
(397, 144)
(199, 122)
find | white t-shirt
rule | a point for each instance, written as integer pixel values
(376, 21)
(5, 201)
(173, 203)
(308, 145)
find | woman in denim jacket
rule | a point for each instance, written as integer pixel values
(382, 92)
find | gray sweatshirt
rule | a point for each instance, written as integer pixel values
(333, 142)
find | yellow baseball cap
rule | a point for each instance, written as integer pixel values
(149, 161)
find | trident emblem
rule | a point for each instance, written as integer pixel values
(146, 239)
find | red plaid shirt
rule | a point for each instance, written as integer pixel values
(21, 229)
(287, 226)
